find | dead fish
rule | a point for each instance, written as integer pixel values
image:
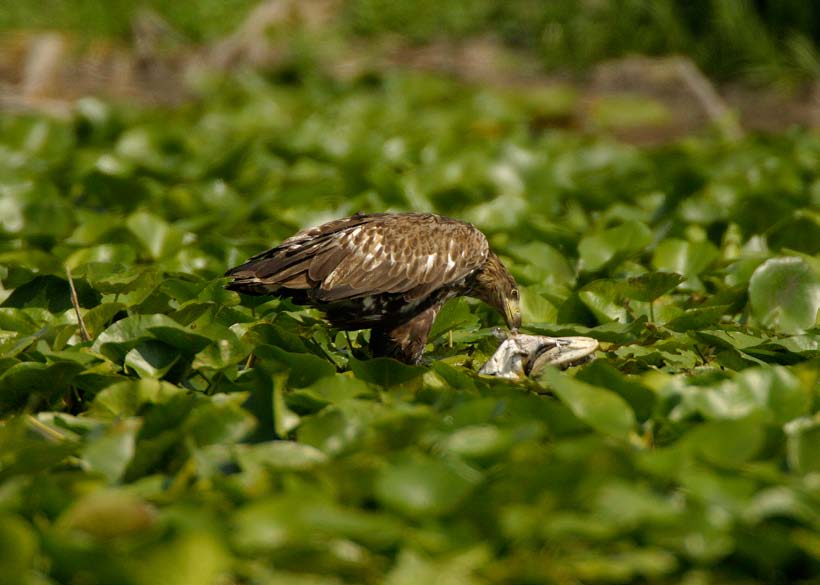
(521, 355)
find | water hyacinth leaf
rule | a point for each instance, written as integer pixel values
(106, 514)
(602, 297)
(116, 279)
(34, 383)
(462, 568)
(648, 287)
(697, 319)
(332, 431)
(110, 453)
(176, 335)
(328, 390)
(52, 293)
(785, 294)
(225, 351)
(422, 488)
(773, 394)
(727, 442)
(617, 242)
(157, 237)
(385, 372)
(284, 419)
(477, 441)
(97, 319)
(804, 444)
(546, 260)
(220, 420)
(19, 320)
(641, 398)
(126, 398)
(118, 339)
(190, 557)
(122, 254)
(281, 456)
(684, 257)
(18, 547)
(604, 411)
(151, 359)
(613, 332)
(304, 368)
(454, 314)
(273, 334)
(535, 308)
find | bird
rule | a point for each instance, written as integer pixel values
(387, 272)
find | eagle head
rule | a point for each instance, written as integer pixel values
(493, 284)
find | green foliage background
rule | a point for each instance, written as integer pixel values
(760, 40)
(156, 452)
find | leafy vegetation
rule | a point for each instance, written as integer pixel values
(200, 437)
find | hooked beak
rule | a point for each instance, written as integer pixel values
(512, 313)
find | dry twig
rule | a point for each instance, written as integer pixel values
(74, 301)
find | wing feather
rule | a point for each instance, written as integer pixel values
(363, 255)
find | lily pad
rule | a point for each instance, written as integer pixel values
(785, 294)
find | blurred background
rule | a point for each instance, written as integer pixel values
(647, 71)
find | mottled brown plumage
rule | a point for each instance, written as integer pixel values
(391, 272)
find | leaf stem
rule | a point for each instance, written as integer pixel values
(76, 303)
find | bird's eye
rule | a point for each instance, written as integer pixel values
(514, 294)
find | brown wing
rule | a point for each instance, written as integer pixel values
(363, 255)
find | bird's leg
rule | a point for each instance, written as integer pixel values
(404, 342)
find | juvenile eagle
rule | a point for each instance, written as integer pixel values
(390, 272)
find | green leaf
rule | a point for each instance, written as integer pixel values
(602, 297)
(804, 444)
(52, 293)
(157, 237)
(34, 383)
(284, 419)
(125, 399)
(219, 420)
(106, 514)
(331, 431)
(151, 359)
(612, 244)
(116, 341)
(111, 452)
(785, 294)
(600, 373)
(683, 257)
(478, 441)
(385, 372)
(423, 488)
(772, 394)
(550, 266)
(535, 308)
(305, 368)
(454, 314)
(97, 318)
(227, 351)
(18, 547)
(727, 442)
(281, 456)
(697, 319)
(328, 390)
(650, 286)
(604, 411)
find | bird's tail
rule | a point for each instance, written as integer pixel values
(246, 281)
